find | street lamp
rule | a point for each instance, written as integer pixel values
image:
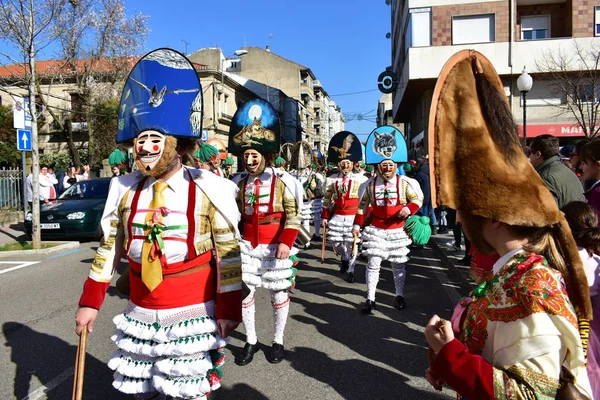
(524, 84)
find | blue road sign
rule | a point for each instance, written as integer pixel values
(23, 140)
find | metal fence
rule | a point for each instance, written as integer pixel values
(11, 190)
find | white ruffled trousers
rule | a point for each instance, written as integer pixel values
(339, 233)
(260, 268)
(385, 244)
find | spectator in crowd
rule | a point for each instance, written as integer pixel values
(86, 172)
(565, 153)
(116, 171)
(560, 180)
(72, 177)
(422, 176)
(45, 183)
(583, 222)
(590, 167)
(576, 161)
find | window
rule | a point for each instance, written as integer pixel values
(597, 20)
(226, 108)
(418, 30)
(467, 29)
(537, 27)
(587, 93)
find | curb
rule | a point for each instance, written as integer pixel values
(465, 285)
(55, 249)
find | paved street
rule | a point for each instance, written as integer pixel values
(332, 352)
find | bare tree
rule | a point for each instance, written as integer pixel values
(573, 75)
(98, 46)
(26, 25)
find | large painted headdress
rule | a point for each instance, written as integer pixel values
(255, 125)
(344, 145)
(386, 143)
(162, 93)
(302, 155)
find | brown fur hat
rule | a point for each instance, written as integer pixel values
(477, 163)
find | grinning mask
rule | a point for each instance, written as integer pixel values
(254, 162)
(387, 169)
(345, 166)
(155, 153)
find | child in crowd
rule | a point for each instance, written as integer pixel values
(590, 167)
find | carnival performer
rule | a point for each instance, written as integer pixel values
(392, 199)
(313, 189)
(340, 200)
(519, 334)
(270, 201)
(210, 155)
(177, 226)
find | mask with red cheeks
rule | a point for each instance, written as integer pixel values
(155, 153)
(387, 169)
(345, 166)
(254, 162)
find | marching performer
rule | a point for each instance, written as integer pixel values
(178, 228)
(211, 155)
(393, 199)
(340, 200)
(270, 200)
(314, 188)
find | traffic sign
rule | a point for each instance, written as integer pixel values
(23, 140)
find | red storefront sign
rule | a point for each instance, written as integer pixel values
(558, 130)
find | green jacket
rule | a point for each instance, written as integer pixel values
(561, 181)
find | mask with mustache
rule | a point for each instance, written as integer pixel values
(345, 166)
(387, 169)
(155, 153)
(254, 162)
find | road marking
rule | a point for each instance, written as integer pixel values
(38, 393)
(66, 253)
(20, 264)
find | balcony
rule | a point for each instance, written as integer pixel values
(224, 117)
(317, 104)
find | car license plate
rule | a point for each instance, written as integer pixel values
(50, 226)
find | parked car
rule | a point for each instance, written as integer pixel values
(76, 213)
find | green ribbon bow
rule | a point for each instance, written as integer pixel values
(252, 198)
(154, 235)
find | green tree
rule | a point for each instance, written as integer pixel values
(9, 155)
(103, 131)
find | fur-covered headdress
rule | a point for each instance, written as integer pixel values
(478, 166)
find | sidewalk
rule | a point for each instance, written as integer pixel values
(451, 258)
(12, 233)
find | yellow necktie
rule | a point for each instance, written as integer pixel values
(151, 266)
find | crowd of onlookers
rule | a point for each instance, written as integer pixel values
(51, 185)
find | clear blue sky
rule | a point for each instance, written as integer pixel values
(343, 42)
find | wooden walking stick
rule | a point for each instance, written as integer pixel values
(323, 244)
(80, 365)
(354, 249)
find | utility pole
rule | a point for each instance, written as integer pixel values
(35, 167)
(185, 46)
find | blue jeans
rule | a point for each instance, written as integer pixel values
(427, 211)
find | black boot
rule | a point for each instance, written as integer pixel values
(247, 354)
(277, 353)
(368, 307)
(344, 266)
(400, 304)
(350, 278)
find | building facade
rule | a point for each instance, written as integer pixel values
(278, 74)
(533, 34)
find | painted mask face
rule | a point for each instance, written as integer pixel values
(357, 166)
(345, 166)
(150, 146)
(253, 161)
(387, 169)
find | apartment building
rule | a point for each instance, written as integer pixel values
(513, 35)
(296, 81)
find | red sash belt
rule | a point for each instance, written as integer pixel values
(175, 291)
(348, 207)
(267, 231)
(386, 217)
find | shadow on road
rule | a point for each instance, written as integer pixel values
(238, 391)
(46, 357)
(371, 381)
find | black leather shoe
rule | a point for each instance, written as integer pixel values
(316, 238)
(350, 278)
(247, 354)
(368, 307)
(400, 304)
(344, 266)
(277, 353)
